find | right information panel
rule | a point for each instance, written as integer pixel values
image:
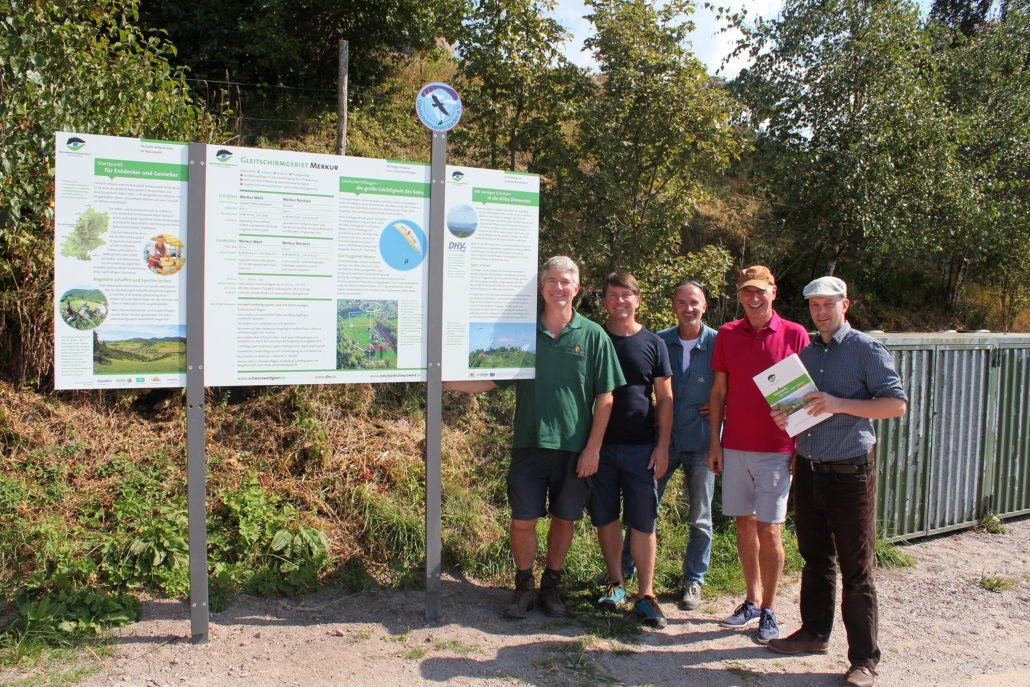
(490, 274)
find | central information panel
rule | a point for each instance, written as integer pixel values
(316, 270)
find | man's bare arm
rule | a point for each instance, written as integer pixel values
(663, 413)
(591, 455)
(470, 387)
(716, 411)
(873, 408)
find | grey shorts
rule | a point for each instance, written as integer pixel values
(541, 476)
(755, 484)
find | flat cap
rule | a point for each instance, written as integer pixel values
(826, 287)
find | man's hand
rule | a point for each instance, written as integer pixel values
(659, 461)
(780, 418)
(704, 410)
(715, 458)
(588, 460)
(822, 402)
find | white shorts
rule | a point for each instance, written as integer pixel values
(756, 484)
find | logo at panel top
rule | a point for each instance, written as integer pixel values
(457, 175)
(74, 143)
(438, 106)
(223, 155)
(771, 378)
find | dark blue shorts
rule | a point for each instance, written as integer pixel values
(623, 475)
(538, 476)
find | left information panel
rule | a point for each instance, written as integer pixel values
(315, 268)
(119, 262)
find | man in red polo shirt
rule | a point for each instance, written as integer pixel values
(751, 452)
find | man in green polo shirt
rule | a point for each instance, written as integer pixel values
(560, 420)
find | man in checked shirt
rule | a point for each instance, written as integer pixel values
(835, 480)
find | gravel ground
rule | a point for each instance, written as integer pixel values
(938, 626)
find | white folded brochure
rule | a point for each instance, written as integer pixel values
(784, 386)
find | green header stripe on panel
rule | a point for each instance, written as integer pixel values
(158, 140)
(505, 197)
(282, 274)
(408, 162)
(285, 193)
(133, 169)
(287, 236)
(384, 187)
(259, 298)
(787, 390)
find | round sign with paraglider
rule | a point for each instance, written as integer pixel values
(438, 106)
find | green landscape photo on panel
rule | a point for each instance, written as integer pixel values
(84, 307)
(502, 344)
(139, 349)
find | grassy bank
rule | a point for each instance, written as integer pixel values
(307, 486)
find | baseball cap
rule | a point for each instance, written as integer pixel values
(826, 287)
(756, 275)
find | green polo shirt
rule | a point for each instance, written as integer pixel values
(556, 409)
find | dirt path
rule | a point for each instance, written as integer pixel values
(939, 626)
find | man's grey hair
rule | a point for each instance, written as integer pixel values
(562, 264)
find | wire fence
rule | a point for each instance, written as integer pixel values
(226, 92)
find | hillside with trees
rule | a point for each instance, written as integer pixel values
(865, 140)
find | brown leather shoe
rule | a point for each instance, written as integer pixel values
(859, 676)
(801, 642)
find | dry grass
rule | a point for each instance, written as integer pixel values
(349, 458)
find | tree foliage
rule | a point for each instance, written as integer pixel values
(875, 134)
(76, 66)
(296, 42)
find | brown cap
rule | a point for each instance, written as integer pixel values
(756, 275)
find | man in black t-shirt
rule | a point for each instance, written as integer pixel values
(632, 456)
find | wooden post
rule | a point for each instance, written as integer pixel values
(341, 99)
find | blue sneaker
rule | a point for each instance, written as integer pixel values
(650, 612)
(746, 614)
(614, 593)
(768, 628)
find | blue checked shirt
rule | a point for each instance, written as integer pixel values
(852, 365)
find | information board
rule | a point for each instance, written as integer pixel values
(119, 262)
(315, 267)
(490, 274)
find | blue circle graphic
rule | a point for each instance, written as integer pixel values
(403, 245)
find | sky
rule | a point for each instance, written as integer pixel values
(710, 46)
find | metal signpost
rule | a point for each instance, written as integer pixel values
(439, 109)
(196, 459)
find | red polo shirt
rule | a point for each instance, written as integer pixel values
(742, 352)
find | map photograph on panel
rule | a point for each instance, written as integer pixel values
(139, 349)
(85, 238)
(366, 334)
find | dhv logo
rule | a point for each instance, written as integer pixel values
(457, 246)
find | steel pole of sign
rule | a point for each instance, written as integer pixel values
(434, 358)
(195, 429)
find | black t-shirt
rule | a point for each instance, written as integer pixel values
(643, 356)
